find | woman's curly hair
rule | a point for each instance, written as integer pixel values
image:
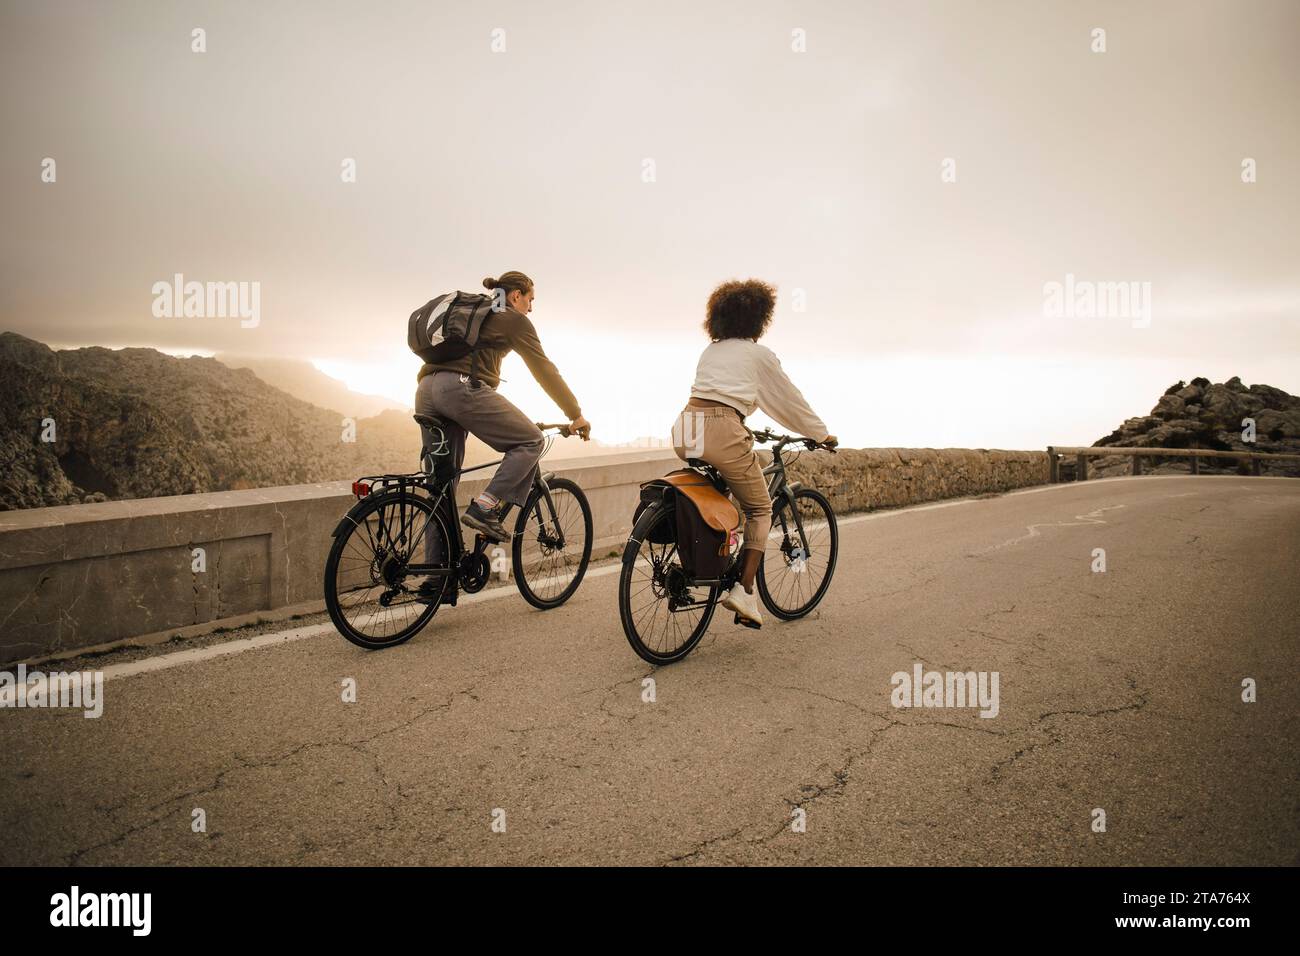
(740, 310)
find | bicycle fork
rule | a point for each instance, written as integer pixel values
(796, 554)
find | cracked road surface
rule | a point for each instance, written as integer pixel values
(1118, 690)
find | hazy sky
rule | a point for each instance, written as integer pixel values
(819, 171)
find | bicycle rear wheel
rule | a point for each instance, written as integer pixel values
(552, 544)
(663, 619)
(366, 589)
(796, 569)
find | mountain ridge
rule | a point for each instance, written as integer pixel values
(95, 424)
(305, 381)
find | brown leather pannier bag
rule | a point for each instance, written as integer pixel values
(705, 517)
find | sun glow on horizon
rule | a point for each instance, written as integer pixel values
(634, 390)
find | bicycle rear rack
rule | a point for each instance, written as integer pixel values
(372, 484)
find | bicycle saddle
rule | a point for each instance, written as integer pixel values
(428, 421)
(710, 472)
(435, 449)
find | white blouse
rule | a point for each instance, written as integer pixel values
(748, 376)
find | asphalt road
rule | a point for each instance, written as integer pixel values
(1119, 691)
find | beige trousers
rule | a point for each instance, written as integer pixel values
(718, 436)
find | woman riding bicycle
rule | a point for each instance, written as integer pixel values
(447, 391)
(734, 377)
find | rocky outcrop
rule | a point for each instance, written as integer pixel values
(1201, 414)
(94, 424)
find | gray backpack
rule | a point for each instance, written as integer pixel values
(447, 327)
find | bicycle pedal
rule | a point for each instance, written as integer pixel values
(748, 623)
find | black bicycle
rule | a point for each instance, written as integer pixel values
(662, 615)
(373, 582)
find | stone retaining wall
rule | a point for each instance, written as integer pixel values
(859, 479)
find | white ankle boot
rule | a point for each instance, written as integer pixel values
(743, 603)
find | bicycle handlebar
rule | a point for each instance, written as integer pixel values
(565, 430)
(766, 435)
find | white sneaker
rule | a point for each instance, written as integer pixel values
(743, 603)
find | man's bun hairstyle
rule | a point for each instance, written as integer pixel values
(510, 282)
(740, 310)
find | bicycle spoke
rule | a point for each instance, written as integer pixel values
(795, 575)
(372, 603)
(547, 570)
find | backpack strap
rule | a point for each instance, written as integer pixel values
(473, 349)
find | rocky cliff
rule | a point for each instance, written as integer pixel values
(95, 424)
(1201, 414)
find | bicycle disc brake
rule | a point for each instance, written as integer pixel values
(549, 543)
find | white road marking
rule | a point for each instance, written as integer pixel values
(1092, 517)
(194, 655)
(165, 661)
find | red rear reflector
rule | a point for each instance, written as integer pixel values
(360, 489)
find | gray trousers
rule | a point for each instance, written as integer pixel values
(490, 417)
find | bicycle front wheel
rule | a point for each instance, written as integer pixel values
(797, 566)
(552, 543)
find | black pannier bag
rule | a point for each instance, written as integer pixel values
(703, 550)
(447, 327)
(703, 543)
(663, 532)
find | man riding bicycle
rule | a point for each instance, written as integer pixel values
(462, 393)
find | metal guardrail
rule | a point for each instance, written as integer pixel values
(1055, 454)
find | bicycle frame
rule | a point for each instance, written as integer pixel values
(780, 489)
(413, 482)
